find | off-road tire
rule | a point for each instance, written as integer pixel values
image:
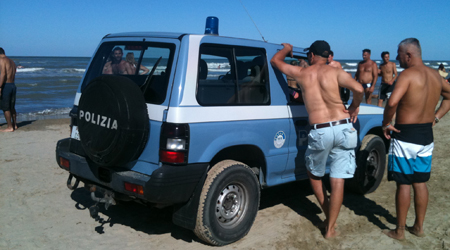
(228, 204)
(371, 164)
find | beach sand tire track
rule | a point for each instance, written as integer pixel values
(228, 204)
(371, 164)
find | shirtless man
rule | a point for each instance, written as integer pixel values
(333, 63)
(8, 91)
(367, 75)
(414, 99)
(388, 73)
(319, 84)
(118, 66)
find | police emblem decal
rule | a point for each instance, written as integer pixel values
(279, 139)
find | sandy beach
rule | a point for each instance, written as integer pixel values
(38, 211)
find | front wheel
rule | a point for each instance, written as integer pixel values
(371, 163)
(228, 203)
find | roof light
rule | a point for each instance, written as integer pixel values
(212, 26)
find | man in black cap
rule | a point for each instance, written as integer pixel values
(330, 122)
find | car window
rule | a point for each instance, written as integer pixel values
(135, 60)
(232, 75)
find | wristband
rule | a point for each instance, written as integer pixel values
(436, 120)
(293, 92)
(387, 126)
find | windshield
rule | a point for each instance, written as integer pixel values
(135, 60)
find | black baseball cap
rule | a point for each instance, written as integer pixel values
(319, 48)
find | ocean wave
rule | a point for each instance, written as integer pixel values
(68, 70)
(29, 69)
(41, 115)
(352, 64)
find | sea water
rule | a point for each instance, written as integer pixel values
(46, 86)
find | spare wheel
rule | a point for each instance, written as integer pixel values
(113, 120)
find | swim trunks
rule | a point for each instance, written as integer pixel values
(334, 145)
(410, 153)
(8, 98)
(368, 85)
(386, 91)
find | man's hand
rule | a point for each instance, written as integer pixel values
(289, 47)
(353, 112)
(387, 131)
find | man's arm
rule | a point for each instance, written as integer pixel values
(278, 62)
(346, 81)
(391, 107)
(394, 68)
(374, 76)
(357, 73)
(445, 104)
(2, 74)
(144, 69)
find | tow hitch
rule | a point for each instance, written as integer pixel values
(108, 199)
(69, 182)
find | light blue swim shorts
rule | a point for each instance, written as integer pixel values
(334, 145)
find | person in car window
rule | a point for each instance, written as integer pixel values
(117, 66)
(132, 61)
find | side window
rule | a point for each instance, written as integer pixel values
(232, 76)
(296, 61)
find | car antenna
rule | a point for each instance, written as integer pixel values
(253, 21)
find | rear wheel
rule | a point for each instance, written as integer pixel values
(371, 163)
(228, 203)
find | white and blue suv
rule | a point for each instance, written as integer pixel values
(204, 129)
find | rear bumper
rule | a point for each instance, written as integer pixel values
(166, 185)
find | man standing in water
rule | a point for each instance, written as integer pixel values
(8, 91)
(414, 99)
(367, 75)
(329, 120)
(388, 73)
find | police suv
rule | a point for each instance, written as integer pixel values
(202, 123)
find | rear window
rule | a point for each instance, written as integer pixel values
(135, 60)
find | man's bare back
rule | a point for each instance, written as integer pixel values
(320, 89)
(417, 93)
(8, 90)
(7, 70)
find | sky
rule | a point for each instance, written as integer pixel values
(75, 27)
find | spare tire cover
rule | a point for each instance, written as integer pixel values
(113, 120)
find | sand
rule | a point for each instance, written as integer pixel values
(38, 211)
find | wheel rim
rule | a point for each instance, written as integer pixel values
(373, 160)
(231, 205)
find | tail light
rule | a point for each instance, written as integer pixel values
(174, 143)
